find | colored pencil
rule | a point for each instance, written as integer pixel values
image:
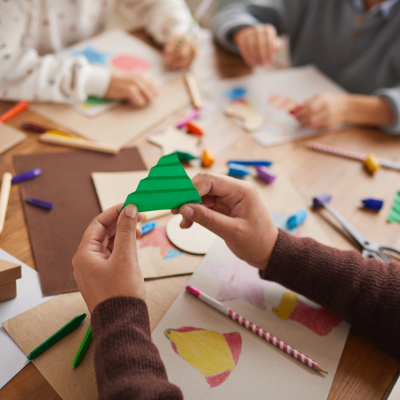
(188, 118)
(79, 143)
(354, 155)
(4, 195)
(60, 334)
(84, 347)
(193, 90)
(254, 328)
(12, 112)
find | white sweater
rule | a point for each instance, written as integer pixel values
(31, 31)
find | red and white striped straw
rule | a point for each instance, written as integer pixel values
(254, 328)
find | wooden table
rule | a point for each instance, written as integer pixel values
(365, 371)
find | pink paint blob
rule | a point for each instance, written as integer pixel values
(128, 63)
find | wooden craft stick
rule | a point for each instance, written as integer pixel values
(254, 328)
(4, 195)
(79, 143)
(12, 112)
(194, 90)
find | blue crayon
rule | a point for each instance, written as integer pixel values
(24, 176)
(373, 204)
(40, 203)
(297, 219)
(322, 198)
(148, 227)
(237, 170)
(253, 163)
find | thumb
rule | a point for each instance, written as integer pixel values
(125, 235)
(215, 222)
(278, 44)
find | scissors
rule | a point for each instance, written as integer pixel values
(369, 249)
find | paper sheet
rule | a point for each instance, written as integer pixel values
(9, 137)
(35, 325)
(29, 295)
(273, 95)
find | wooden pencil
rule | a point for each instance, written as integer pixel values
(4, 195)
(79, 143)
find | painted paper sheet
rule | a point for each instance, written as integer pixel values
(273, 95)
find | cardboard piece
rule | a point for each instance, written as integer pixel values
(252, 121)
(9, 137)
(195, 240)
(8, 291)
(29, 295)
(65, 181)
(9, 271)
(173, 140)
(122, 124)
(273, 94)
(32, 327)
(167, 187)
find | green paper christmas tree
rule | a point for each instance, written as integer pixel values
(394, 215)
(166, 187)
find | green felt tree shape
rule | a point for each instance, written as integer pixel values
(394, 215)
(166, 187)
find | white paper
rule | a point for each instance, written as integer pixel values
(273, 94)
(29, 294)
(395, 394)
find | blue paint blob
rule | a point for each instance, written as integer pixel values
(93, 56)
(172, 253)
(236, 93)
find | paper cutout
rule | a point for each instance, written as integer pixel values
(128, 63)
(158, 238)
(236, 93)
(320, 320)
(281, 102)
(97, 101)
(10, 137)
(252, 121)
(93, 56)
(173, 140)
(213, 354)
(167, 187)
(394, 215)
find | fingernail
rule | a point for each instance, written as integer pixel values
(187, 212)
(130, 211)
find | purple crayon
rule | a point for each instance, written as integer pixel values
(24, 176)
(373, 204)
(319, 201)
(39, 203)
(265, 174)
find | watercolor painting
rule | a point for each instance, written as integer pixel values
(213, 354)
(320, 320)
(158, 238)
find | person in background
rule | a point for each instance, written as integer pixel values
(355, 42)
(364, 292)
(31, 31)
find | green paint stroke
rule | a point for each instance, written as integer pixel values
(167, 187)
(394, 215)
(97, 101)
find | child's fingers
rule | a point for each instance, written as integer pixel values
(135, 96)
(244, 47)
(262, 44)
(145, 90)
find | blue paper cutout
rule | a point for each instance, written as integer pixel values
(235, 93)
(93, 56)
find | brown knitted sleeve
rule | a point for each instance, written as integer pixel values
(364, 292)
(127, 363)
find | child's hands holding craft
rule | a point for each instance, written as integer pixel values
(258, 44)
(106, 263)
(179, 52)
(233, 210)
(138, 89)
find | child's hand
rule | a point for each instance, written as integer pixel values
(179, 52)
(233, 210)
(137, 89)
(258, 44)
(323, 111)
(106, 263)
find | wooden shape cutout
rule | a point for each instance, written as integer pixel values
(9, 272)
(166, 187)
(8, 291)
(9, 137)
(173, 140)
(195, 240)
(252, 120)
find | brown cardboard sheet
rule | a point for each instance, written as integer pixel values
(65, 181)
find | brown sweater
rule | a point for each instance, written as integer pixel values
(364, 292)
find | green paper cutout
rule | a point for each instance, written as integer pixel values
(394, 215)
(167, 187)
(97, 101)
(183, 156)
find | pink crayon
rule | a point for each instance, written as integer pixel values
(187, 119)
(254, 328)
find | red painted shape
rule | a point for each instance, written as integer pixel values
(216, 380)
(234, 341)
(195, 128)
(129, 63)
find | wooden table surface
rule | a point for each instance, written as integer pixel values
(365, 371)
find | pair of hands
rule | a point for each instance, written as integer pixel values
(106, 263)
(258, 45)
(137, 88)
